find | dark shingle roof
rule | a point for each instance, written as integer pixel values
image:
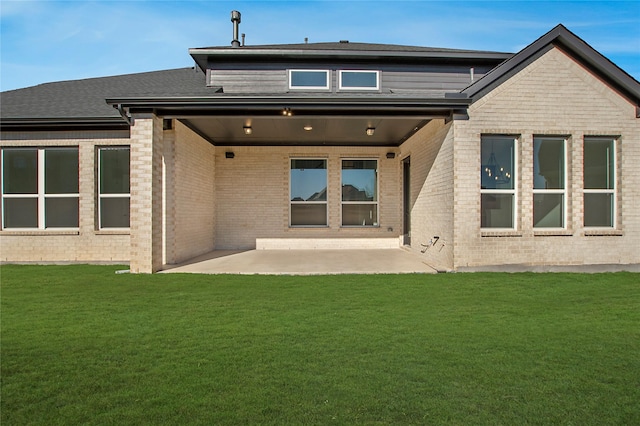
(348, 46)
(78, 99)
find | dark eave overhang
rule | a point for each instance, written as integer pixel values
(257, 106)
(63, 124)
(203, 55)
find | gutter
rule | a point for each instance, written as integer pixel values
(60, 124)
(455, 101)
(450, 107)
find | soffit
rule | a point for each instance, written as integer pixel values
(336, 120)
(289, 131)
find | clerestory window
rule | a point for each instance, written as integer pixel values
(359, 80)
(309, 79)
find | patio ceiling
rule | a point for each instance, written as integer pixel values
(272, 131)
(281, 120)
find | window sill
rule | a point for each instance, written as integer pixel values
(552, 233)
(113, 232)
(486, 233)
(308, 226)
(603, 233)
(39, 232)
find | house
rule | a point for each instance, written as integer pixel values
(468, 158)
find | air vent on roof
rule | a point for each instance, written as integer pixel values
(344, 41)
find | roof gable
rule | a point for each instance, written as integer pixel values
(568, 42)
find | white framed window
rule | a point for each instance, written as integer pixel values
(40, 188)
(498, 195)
(549, 182)
(358, 80)
(308, 192)
(309, 79)
(113, 187)
(359, 192)
(599, 182)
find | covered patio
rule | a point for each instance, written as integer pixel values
(305, 262)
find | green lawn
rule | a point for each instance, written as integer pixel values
(83, 345)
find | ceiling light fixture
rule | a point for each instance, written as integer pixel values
(287, 112)
(371, 131)
(308, 128)
(247, 130)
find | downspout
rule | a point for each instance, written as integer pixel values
(128, 118)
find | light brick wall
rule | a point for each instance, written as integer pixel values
(190, 192)
(432, 201)
(88, 244)
(252, 195)
(552, 96)
(146, 194)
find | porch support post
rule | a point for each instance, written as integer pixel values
(146, 194)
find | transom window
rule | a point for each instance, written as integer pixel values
(549, 182)
(359, 80)
(359, 193)
(308, 192)
(497, 177)
(40, 188)
(113, 187)
(599, 182)
(309, 79)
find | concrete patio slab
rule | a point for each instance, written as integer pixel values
(304, 262)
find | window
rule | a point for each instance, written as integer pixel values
(599, 182)
(497, 177)
(309, 79)
(40, 188)
(359, 80)
(113, 187)
(549, 182)
(308, 192)
(359, 193)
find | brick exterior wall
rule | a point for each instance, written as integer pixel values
(146, 194)
(552, 96)
(187, 198)
(252, 195)
(190, 194)
(87, 244)
(432, 198)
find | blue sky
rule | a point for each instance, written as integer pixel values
(43, 41)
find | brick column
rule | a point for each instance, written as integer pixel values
(146, 194)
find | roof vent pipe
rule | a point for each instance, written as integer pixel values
(243, 36)
(235, 18)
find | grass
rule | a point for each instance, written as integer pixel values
(83, 345)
